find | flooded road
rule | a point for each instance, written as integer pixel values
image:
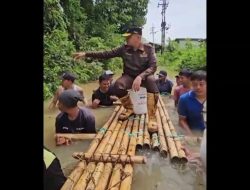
(157, 174)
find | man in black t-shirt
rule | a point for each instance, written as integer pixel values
(72, 118)
(103, 95)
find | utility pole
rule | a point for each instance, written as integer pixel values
(153, 34)
(164, 5)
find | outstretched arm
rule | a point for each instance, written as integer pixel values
(116, 52)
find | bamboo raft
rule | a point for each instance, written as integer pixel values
(108, 163)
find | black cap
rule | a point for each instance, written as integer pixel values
(133, 30)
(69, 98)
(68, 76)
(185, 72)
(162, 73)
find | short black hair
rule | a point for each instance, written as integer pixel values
(185, 72)
(68, 76)
(103, 77)
(199, 75)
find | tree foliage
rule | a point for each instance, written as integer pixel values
(187, 55)
(85, 25)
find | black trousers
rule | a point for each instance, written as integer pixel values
(125, 82)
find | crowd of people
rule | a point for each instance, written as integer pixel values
(139, 60)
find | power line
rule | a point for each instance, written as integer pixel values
(153, 34)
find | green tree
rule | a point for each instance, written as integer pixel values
(189, 56)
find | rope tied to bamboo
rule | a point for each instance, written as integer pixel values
(133, 118)
(102, 130)
(124, 175)
(133, 134)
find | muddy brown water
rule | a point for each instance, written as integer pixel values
(158, 173)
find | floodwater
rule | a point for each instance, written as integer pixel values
(157, 174)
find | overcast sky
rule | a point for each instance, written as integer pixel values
(187, 19)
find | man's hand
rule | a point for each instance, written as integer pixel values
(95, 103)
(114, 98)
(62, 140)
(78, 55)
(137, 83)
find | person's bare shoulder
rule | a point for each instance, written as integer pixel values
(59, 90)
(78, 88)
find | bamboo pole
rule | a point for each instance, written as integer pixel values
(164, 108)
(116, 174)
(96, 176)
(83, 181)
(128, 169)
(119, 137)
(155, 142)
(77, 172)
(132, 143)
(170, 141)
(163, 144)
(106, 144)
(146, 136)
(104, 180)
(127, 182)
(139, 140)
(104, 141)
(181, 153)
(79, 136)
(100, 134)
(115, 178)
(74, 176)
(125, 140)
(113, 137)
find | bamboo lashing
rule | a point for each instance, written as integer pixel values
(110, 158)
